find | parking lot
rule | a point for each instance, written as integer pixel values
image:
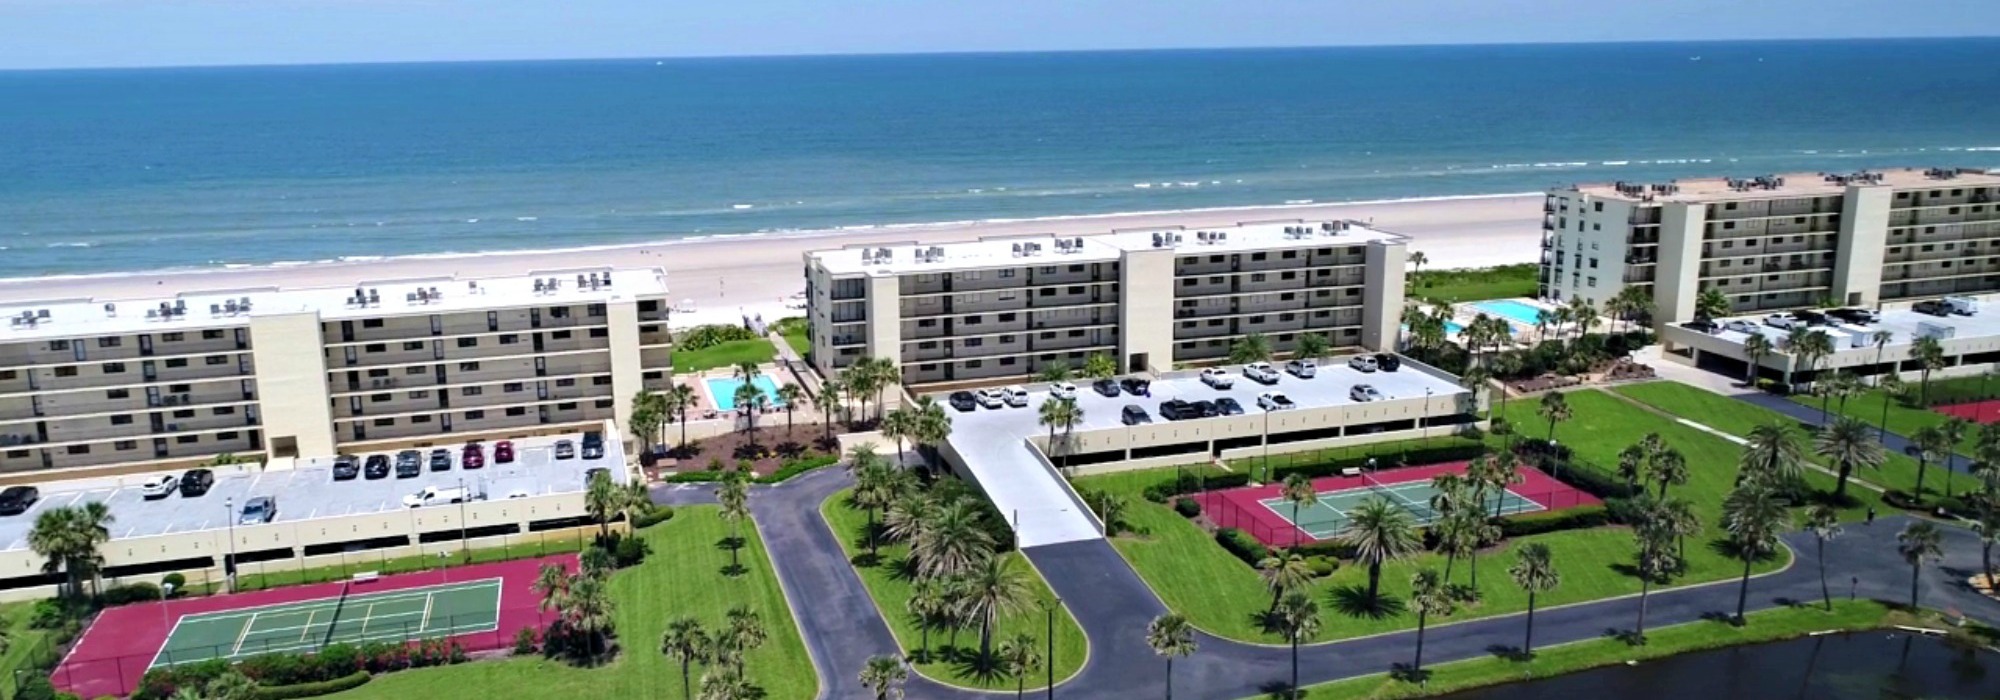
(309, 491)
(1900, 321)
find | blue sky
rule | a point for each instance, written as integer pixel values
(92, 33)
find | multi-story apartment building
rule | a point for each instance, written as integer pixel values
(1006, 307)
(1776, 242)
(111, 385)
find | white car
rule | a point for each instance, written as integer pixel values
(1781, 320)
(1274, 401)
(1217, 377)
(1303, 369)
(435, 496)
(1014, 396)
(991, 398)
(1362, 363)
(159, 486)
(1740, 326)
(1261, 372)
(1062, 390)
(1364, 392)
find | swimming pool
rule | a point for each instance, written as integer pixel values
(1451, 327)
(1511, 310)
(723, 389)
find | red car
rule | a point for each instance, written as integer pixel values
(503, 452)
(474, 457)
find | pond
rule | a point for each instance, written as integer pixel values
(1833, 667)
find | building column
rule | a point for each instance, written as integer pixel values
(1382, 295)
(295, 408)
(627, 377)
(1677, 277)
(1863, 239)
(1146, 310)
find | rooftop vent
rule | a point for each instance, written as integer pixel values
(111, 310)
(1017, 250)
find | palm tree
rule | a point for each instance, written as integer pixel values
(1477, 379)
(1881, 340)
(1534, 573)
(1987, 527)
(1755, 348)
(1669, 468)
(1298, 618)
(1311, 346)
(1299, 490)
(1824, 524)
(1417, 260)
(933, 424)
(1656, 558)
(746, 370)
(1632, 463)
(1844, 385)
(1502, 472)
(1753, 518)
(899, 425)
(1427, 597)
(1928, 353)
(1057, 371)
(1100, 366)
(828, 401)
(885, 676)
(733, 494)
(1711, 304)
(1283, 574)
(687, 644)
(743, 630)
(791, 395)
(551, 583)
(1932, 444)
(886, 375)
(676, 401)
(909, 516)
(603, 498)
(929, 604)
(1170, 635)
(1893, 389)
(1380, 532)
(587, 610)
(1772, 454)
(1250, 348)
(876, 486)
(1060, 414)
(1457, 532)
(1020, 655)
(72, 538)
(1848, 443)
(954, 542)
(1678, 518)
(1554, 409)
(1919, 541)
(648, 416)
(723, 682)
(750, 400)
(993, 588)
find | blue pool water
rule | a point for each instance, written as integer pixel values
(1452, 327)
(724, 391)
(1511, 310)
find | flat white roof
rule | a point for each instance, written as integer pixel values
(1018, 251)
(1708, 189)
(225, 308)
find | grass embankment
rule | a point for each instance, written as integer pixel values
(1764, 626)
(1222, 595)
(1739, 418)
(1907, 419)
(891, 589)
(27, 648)
(728, 354)
(1448, 286)
(682, 576)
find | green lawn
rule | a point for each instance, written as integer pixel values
(891, 590)
(1738, 418)
(1903, 420)
(682, 576)
(799, 342)
(1447, 286)
(27, 648)
(758, 350)
(1764, 626)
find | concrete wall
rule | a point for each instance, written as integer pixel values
(626, 370)
(1382, 302)
(885, 319)
(1678, 280)
(298, 417)
(1864, 232)
(1146, 309)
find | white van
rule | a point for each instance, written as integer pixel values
(1963, 306)
(435, 496)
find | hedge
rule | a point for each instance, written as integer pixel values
(786, 472)
(1187, 507)
(1582, 517)
(1431, 455)
(1194, 483)
(653, 516)
(313, 690)
(1242, 545)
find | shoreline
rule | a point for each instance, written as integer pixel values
(754, 273)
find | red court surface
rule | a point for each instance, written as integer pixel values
(1244, 508)
(114, 653)
(1977, 411)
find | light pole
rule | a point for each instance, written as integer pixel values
(229, 565)
(1267, 445)
(1424, 419)
(1556, 457)
(1049, 657)
(464, 542)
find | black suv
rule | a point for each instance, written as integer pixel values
(197, 482)
(1105, 388)
(409, 463)
(1134, 414)
(1856, 316)
(1703, 326)
(1176, 409)
(1932, 307)
(593, 445)
(18, 499)
(376, 467)
(1812, 318)
(345, 467)
(440, 460)
(1388, 362)
(964, 401)
(1226, 406)
(1136, 386)
(1202, 409)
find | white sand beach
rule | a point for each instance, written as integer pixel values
(734, 276)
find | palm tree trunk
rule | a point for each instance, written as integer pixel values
(871, 533)
(1450, 557)
(684, 429)
(986, 636)
(1021, 684)
(1922, 463)
(1645, 588)
(1418, 667)
(1916, 571)
(1528, 642)
(1472, 563)
(1840, 485)
(1825, 595)
(1170, 678)
(1295, 667)
(1374, 580)
(1743, 591)
(687, 686)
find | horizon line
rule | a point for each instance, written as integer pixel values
(998, 52)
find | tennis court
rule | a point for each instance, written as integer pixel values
(1329, 515)
(304, 626)
(1264, 512)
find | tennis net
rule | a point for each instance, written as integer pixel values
(1422, 511)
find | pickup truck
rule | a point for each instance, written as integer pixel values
(1261, 373)
(1217, 377)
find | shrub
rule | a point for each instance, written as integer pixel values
(175, 581)
(1551, 521)
(703, 337)
(1322, 565)
(314, 689)
(1333, 550)
(526, 641)
(160, 683)
(1187, 507)
(1423, 455)
(1194, 483)
(50, 613)
(130, 593)
(629, 551)
(1242, 545)
(653, 516)
(35, 687)
(798, 466)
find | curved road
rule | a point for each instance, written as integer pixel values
(842, 627)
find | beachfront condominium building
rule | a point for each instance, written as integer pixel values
(100, 386)
(1007, 307)
(1776, 242)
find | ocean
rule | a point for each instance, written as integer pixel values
(126, 170)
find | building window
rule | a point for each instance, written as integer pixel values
(215, 360)
(413, 370)
(55, 345)
(566, 406)
(420, 419)
(511, 387)
(558, 312)
(109, 342)
(600, 332)
(1593, 281)
(65, 371)
(468, 342)
(471, 391)
(559, 335)
(171, 337)
(226, 435)
(371, 323)
(384, 422)
(974, 342)
(517, 411)
(114, 368)
(600, 381)
(187, 439)
(420, 394)
(374, 347)
(211, 335)
(378, 398)
(468, 366)
(1006, 274)
(115, 394)
(78, 449)
(566, 382)
(125, 445)
(475, 415)
(125, 419)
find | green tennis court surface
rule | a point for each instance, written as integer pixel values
(1329, 516)
(403, 614)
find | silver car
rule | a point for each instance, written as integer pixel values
(1364, 392)
(258, 511)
